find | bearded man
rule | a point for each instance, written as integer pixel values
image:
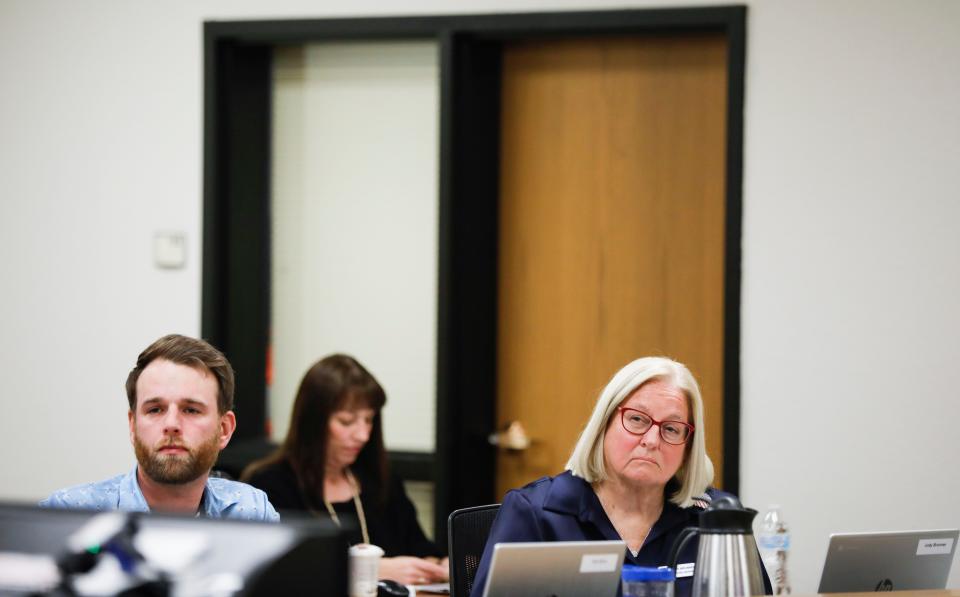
(180, 395)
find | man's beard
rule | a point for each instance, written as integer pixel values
(177, 469)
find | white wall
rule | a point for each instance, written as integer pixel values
(850, 325)
(99, 148)
(851, 269)
(354, 231)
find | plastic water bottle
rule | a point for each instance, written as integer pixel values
(774, 543)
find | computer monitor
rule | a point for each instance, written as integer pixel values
(294, 557)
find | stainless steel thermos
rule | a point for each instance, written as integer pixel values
(728, 564)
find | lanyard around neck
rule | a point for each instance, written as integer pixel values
(356, 502)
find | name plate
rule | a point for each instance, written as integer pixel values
(931, 547)
(685, 570)
(598, 562)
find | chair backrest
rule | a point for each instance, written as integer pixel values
(467, 531)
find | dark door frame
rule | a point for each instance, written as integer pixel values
(236, 193)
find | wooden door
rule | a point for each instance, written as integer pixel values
(612, 219)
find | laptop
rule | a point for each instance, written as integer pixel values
(897, 561)
(560, 568)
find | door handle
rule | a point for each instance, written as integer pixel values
(514, 437)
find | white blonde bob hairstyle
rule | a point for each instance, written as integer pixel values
(696, 472)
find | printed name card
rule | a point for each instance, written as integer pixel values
(930, 547)
(598, 562)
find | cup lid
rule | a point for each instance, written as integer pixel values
(644, 573)
(365, 549)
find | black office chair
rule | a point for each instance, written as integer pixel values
(467, 531)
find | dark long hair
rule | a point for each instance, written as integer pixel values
(337, 382)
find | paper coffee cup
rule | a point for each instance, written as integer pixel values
(364, 569)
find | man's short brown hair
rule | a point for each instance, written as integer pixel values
(191, 352)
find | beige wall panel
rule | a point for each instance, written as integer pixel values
(354, 230)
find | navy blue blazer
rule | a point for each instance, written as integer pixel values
(565, 508)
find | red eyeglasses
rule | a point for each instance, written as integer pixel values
(638, 422)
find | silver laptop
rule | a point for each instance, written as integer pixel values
(898, 561)
(561, 568)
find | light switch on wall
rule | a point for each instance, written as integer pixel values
(170, 250)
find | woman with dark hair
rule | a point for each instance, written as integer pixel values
(333, 463)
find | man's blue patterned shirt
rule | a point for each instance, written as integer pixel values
(221, 498)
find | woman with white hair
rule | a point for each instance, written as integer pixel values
(639, 473)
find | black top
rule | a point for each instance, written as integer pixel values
(392, 523)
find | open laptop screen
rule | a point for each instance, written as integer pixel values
(561, 568)
(895, 561)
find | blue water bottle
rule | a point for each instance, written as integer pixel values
(639, 581)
